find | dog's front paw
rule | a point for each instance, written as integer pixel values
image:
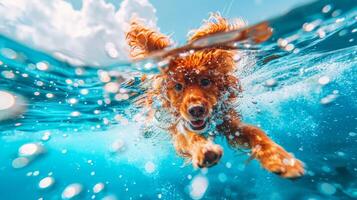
(275, 159)
(207, 155)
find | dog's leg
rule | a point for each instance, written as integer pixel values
(272, 156)
(199, 149)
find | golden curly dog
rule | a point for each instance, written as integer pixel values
(199, 86)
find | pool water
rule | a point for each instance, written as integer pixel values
(71, 132)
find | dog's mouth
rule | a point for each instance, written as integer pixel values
(197, 125)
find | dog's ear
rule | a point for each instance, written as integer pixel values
(143, 40)
(215, 24)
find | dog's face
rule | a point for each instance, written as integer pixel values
(193, 84)
(196, 83)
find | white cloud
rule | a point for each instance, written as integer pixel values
(81, 37)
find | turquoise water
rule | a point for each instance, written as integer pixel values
(299, 86)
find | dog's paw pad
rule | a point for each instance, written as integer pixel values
(207, 156)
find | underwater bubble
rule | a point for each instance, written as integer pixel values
(339, 20)
(30, 149)
(328, 99)
(43, 66)
(150, 167)
(75, 114)
(111, 50)
(340, 153)
(198, 187)
(72, 101)
(222, 177)
(8, 53)
(36, 173)
(8, 74)
(342, 32)
(72, 191)
(46, 136)
(271, 83)
(39, 83)
(79, 71)
(46, 182)
(111, 87)
(84, 91)
(352, 134)
(20, 162)
(308, 27)
(110, 197)
(282, 42)
(324, 80)
(228, 165)
(326, 8)
(327, 188)
(289, 47)
(98, 187)
(49, 95)
(104, 76)
(69, 81)
(7, 100)
(117, 146)
(121, 97)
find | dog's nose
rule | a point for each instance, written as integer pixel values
(196, 111)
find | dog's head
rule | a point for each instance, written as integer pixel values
(194, 83)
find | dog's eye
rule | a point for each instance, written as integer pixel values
(178, 87)
(205, 82)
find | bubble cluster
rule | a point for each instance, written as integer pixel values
(26, 154)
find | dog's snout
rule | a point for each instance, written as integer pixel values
(197, 111)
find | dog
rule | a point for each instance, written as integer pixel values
(198, 89)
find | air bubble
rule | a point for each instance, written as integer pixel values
(150, 167)
(327, 189)
(324, 80)
(72, 190)
(20, 162)
(98, 187)
(352, 134)
(8, 53)
(30, 150)
(75, 114)
(43, 66)
(111, 87)
(46, 182)
(198, 187)
(8, 74)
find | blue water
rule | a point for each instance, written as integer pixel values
(311, 110)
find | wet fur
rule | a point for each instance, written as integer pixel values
(218, 66)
